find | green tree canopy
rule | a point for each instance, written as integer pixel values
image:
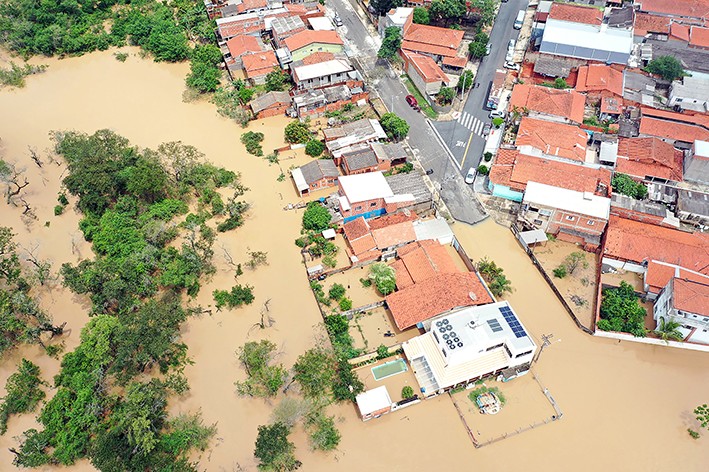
(381, 7)
(315, 372)
(277, 80)
(263, 379)
(446, 95)
(273, 450)
(297, 132)
(316, 217)
(314, 148)
(447, 10)
(383, 276)
(23, 392)
(466, 80)
(668, 330)
(395, 127)
(667, 67)
(391, 43)
(421, 16)
(621, 311)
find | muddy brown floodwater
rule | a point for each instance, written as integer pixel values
(626, 406)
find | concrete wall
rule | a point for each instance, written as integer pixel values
(305, 51)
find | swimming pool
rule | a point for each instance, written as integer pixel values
(390, 368)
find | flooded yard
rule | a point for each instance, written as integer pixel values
(368, 330)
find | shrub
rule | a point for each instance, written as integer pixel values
(621, 311)
(483, 170)
(120, 56)
(297, 132)
(365, 282)
(622, 183)
(446, 95)
(329, 261)
(497, 122)
(382, 352)
(239, 295)
(487, 156)
(383, 276)
(407, 392)
(314, 148)
(345, 304)
(692, 433)
(58, 210)
(560, 272)
(337, 325)
(316, 217)
(252, 141)
(337, 291)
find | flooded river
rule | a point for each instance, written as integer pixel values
(626, 406)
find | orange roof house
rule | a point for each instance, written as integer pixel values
(675, 130)
(258, 65)
(568, 104)
(359, 236)
(691, 296)
(679, 31)
(576, 13)
(368, 238)
(242, 44)
(421, 260)
(637, 242)
(308, 37)
(551, 138)
(435, 295)
(646, 23)
(599, 78)
(426, 39)
(699, 37)
(649, 157)
(658, 274)
(685, 8)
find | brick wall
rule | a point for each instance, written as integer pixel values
(275, 110)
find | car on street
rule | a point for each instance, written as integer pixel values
(512, 66)
(511, 44)
(470, 176)
(486, 130)
(509, 56)
(411, 100)
(337, 20)
(497, 114)
(488, 48)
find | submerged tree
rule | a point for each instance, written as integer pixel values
(23, 392)
(263, 378)
(273, 450)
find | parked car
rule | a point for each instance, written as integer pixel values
(470, 176)
(338, 20)
(511, 44)
(497, 114)
(486, 130)
(411, 100)
(488, 48)
(519, 21)
(510, 55)
(512, 66)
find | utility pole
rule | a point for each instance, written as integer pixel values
(546, 341)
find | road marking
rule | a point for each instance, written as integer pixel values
(465, 155)
(471, 122)
(459, 143)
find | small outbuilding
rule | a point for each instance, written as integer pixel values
(374, 403)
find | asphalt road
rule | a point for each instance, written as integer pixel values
(363, 42)
(464, 136)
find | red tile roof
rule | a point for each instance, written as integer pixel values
(687, 8)
(435, 36)
(455, 61)
(641, 157)
(241, 26)
(356, 228)
(427, 68)
(552, 138)
(599, 78)
(259, 64)
(423, 259)
(427, 48)
(393, 219)
(687, 132)
(611, 105)
(646, 23)
(307, 37)
(242, 44)
(576, 13)
(679, 31)
(566, 103)
(247, 5)
(691, 296)
(394, 234)
(699, 119)
(635, 241)
(514, 170)
(434, 296)
(699, 37)
(318, 57)
(659, 274)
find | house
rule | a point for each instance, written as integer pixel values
(575, 13)
(597, 79)
(545, 102)
(651, 26)
(318, 101)
(677, 128)
(412, 183)
(586, 41)
(270, 104)
(368, 195)
(320, 24)
(542, 13)
(420, 261)
(552, 139)
(361, 161)
(398, 17)
(642, 210)
(577, 217)
(304, 43)
(343, 138)
(512, 171)
(315, 175)
(239, 46)
(693, 208)
(630, 245)
(554, 66)
(374, 403)
(257, 66)
(699, 37)
(395, 153)
(247, 23)
(368, 238)
(324, 74)
(434, 229)
(690, 9)
(623, 17)
(649, 158)
(659, 274)
(424, 73)
(696, 163)
(438, 43)
(285, 27)
(467, 345)
(690, 93)
(686, 302)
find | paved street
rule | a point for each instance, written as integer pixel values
(362, 40)
(468, 127)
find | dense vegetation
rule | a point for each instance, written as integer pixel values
(622, 183)
(68, 28)
(395, 127)
(667, 67)
(111, 393)
(23, 392)
(621, 311)
(494, 275)
(390, 43)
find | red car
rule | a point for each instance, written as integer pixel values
(411, 100)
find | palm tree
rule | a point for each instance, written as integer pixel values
(667, 330)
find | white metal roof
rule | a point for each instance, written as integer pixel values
(311, 71)
(321, 23)
(584, 203)
(701, 148)
(299, 180)
(609, 152)
(362, 187)
(344, 204)
(373, 400)
(399, 15)
(588, 36)
(533, 236)
(329, 233)
(436, 228)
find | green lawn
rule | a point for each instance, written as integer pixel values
(425, 107)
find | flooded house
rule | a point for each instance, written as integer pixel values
(686, 301)
(315, 175)
(368, 195)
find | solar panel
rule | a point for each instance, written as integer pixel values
(511, 319)
(494, 325)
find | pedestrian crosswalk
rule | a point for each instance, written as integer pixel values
(472, 123)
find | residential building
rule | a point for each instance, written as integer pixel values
(691, 9)
(412, 183)
(587, 41)
(239, 46)
(577, 217)
(257, 66)
(642, 210)
(344, 138)
(320, 24)
(420, 261)
(649, 158)
(565, 106)
(247, 23)
(270, 104)
(367, 239)
(696, 163)
(512, 171)
(467, 345)
(323, 74)
(551, 139)
(301, 45)
(315, 175)
(285, 27)
(374, 403)
(575, 13)
(438, 43)
(368, 195)
(659, 274)
(630, 245)
(677, 128)
(318, 101)
(699, 37)
(424, 73)
(361, 161)
(651, 26)
(686, 302)
(399, 17)
(690, 93)
(395, 153)
(598, 79)
(693, 208)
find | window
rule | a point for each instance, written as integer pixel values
(590, 222)
(545, 212)
(373, 204)
(569, 218)
(358, 208)
(533, 209)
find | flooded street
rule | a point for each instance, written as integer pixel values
(626, 406)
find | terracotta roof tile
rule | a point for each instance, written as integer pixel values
(435, 36)
(598, 78)
(566, 103)
(699, 37)
(699, 119)
(247, 5)
(394, 235)
(611, 105)
(691, 296)
(434, 296)
(501, 170)
(455, 61)
(393, 219)
(679, 31)
(646, 23)
(356, 228)
(554, 139)
(427, 68)
(259, 64)
(403, 279)
(242, 44)
(687, 132)
(659, 274)
(688, 8)
(637, 242)
(307, 37)
(427, 48)
(318, 57)
(641, 157)
(423, 259)
(576, 13)
(363, 245)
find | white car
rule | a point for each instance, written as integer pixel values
(470, 176)
(511, 44)
(512, 66)
(497, 114)
(510, 55)
(337, 20)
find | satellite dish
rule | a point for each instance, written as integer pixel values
(472, 296)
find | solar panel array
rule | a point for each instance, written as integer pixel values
(511, 319)
(494, 325)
